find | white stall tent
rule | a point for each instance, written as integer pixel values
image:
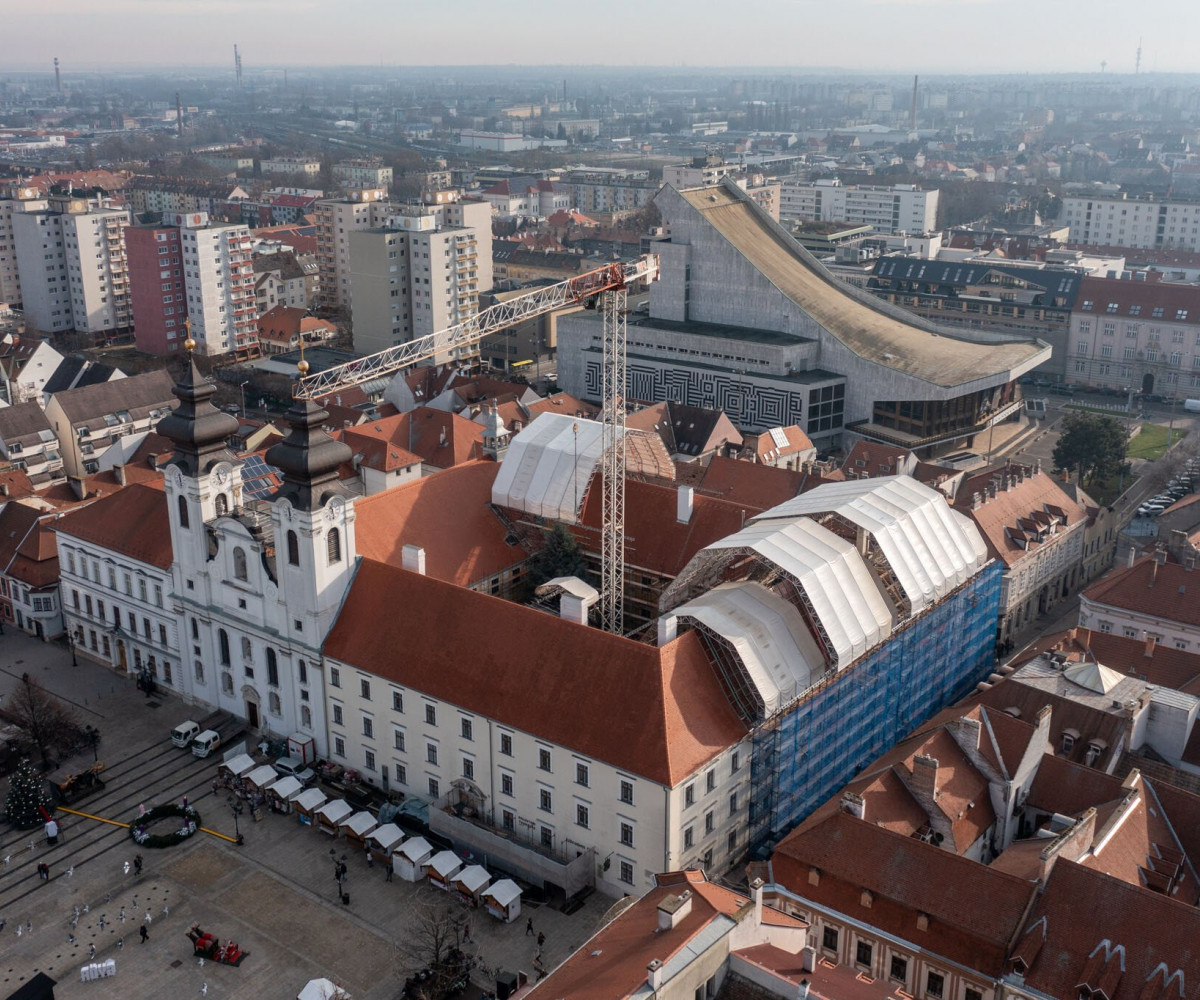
(410, 860)
(503, 900)
(286, 788)
(239, 765)
(330, 816)
(442, 867)
(387, 837)
(471, 881)
(262, 776)
(358, 826)
(322, 989)
(307, 803)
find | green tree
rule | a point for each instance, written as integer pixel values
(26, 797)
(1092, 445)
(560, 556)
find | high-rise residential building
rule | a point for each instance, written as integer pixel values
(71, 257)
(10, 204)
(336, 219)
(156, 277)
(899, 208)
(419, 273)
(215, 289)
(1133, 222)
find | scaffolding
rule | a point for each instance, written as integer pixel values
(802, 755)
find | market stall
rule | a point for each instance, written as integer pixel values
(282, 792)
(357, 828)
(307, 803)
(442, 867)
(331, 815)
(503, 900)
(386, 838)
(470, 882)
(410, 860)
(262, 776)
(243, 763)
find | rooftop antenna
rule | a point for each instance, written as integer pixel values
(1137, 62)
(237, 65)
(912, 121)
(58, 75)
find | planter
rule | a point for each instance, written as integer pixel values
(139, 828)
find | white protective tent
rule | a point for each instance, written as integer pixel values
(387, 837)
(322, 989)
(503, 900)
(410, 860)
(442, 867)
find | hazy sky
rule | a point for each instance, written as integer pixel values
(929, 36)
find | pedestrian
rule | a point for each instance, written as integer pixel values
(529, 926)
(145, 934)
(91, 951)
(185, 805)
(137, 865)
(43, 871)
(390, 869)
(467, 929)
(370, 859)
(541, 940)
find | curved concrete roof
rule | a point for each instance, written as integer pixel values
(931, 548)
(778, 653)
(863, 326)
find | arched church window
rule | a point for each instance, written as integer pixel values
(334, 546)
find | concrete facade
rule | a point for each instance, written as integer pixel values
(1131, 222)
(900, 208)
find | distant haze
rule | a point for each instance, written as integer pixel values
(927, 36)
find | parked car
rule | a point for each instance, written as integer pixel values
(183, 734)
(206, 743)
(294, 767)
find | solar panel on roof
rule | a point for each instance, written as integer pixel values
(779, 437)
(258, 478)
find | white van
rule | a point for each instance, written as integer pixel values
(183, 734)
(206, 743)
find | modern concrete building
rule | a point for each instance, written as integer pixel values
(419, 273)
(337, 218)
(10, 204)
(362, 172)
(157, 288)
(745, 320)
(291, 165)
(218, 284)
(71, 254)
(1133, 222)
(899, 208)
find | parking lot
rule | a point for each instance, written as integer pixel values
(276, 895)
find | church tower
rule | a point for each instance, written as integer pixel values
(313, 515)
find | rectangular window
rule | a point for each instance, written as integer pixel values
(970, 994)
(735, 762)
(468, 768)
(369, 760)
(627, 792)
(545, 800)
(829, 939)
(466, 729)
(506, 783)
(339, 746)
(431, 715)
(337, 715)
(689, 838)
(935, 985)
(626, 873)
(862, 953)
(733, 803)
(368, 727)
(397, 701)
(899, 969)
(431, 753)
(709, 823)
(335, 677)
(508, 819)
(398, 739)
(689, 795)
(364, 689)
(582, 815)
(506, 744)
(627, 834)
(581, 774)
(543, 759)
(434, 788)
(710, 781)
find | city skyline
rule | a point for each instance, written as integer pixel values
(906, 36)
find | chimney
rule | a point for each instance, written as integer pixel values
(756, 892)
(684, 501)
(808, 958)
(4, 489)
(1148, 641)
(924, 777)
(1132, 556)
(413, 558)
(1084, 638)
(78, 490)
(802, 989)
(668, 629)
(673, 909)
(975, 501)
(654, 977)
(853, 804)
(992, 490)
(119, 474)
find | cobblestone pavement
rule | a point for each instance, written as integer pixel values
(275, 895)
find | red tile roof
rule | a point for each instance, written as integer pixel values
(132, 521)
(907, 877)
(1164, 666)
(509, 663)
(1163, 595)
(27, 550)
(441, 439)
(1154, 932)
(750, 485)
(449, 515)
(1170, 296)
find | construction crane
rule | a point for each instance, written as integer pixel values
(610, 284)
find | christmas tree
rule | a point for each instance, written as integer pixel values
(26, 797)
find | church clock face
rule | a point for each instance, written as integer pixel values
(220, 477)
(333, 510)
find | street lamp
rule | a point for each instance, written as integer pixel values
(236, 807)
(92, 735)
(243, 388)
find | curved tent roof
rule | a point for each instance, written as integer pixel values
(780, 656)
(931, 548)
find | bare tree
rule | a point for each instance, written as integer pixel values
(431, 958)
(44, 721)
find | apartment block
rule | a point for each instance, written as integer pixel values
(291, 165)
(420, 273)
(10, 281)
(336, 219)
(71, 254)
(1133, 222)
(899, 208)
(156, 277)
(362, 172)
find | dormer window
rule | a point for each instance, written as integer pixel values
(1069, 737)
